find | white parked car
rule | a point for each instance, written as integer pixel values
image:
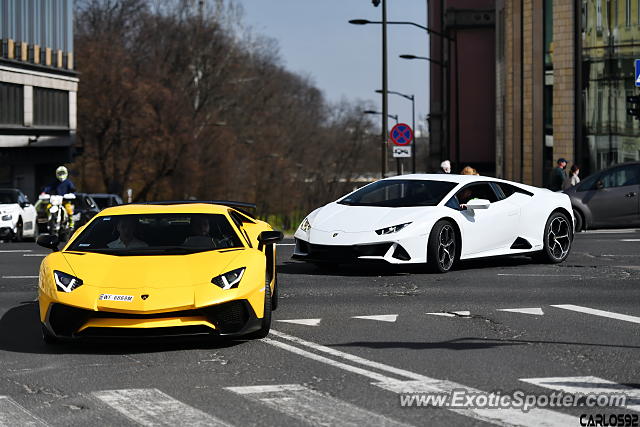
(17, 215)
(438, 219)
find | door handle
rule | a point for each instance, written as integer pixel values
(632, 194)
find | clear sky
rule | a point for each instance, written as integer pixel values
(344, 60)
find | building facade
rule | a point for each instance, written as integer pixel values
(563, 71)
(38, 91)
(462, 123)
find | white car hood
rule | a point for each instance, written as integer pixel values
(9, 208)
(356, 219)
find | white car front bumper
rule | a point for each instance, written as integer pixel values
(343, 247)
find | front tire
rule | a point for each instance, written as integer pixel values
(18, 236)
(266, 317)
(441, 247)
(557, 239)
(274, 296)
(579, 225)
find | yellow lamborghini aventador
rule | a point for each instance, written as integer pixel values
(161, 269)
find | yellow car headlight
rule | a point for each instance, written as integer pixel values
(66, 282)
(230, 279)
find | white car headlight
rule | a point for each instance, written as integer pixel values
(392, 229)
(7, 217)
(305, 225)
(66, 282)
(230, 279)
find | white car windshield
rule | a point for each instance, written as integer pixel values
(157, 234)
(8, 197)
(399, 193)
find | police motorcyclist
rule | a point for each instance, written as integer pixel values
(63, 185)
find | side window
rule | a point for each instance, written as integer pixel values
(238, 220)
(481, 190)
(508, 189)
(620, 177)
(589, 183)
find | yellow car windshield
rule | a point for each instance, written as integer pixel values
(157, 234)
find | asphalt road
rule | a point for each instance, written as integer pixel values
(326, 365)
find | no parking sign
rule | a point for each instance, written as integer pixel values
(401, 134)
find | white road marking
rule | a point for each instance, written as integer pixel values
(602, 313)
(586, 385)
(613, 255)
(285, 244)
(381, 317)
(19, 277)
(313, 407)
(538, 275)
(8, 251)
(12, 414)
(630, 240)
(616, 231)
(40, 255)
(307, 322)
(151, 407)
(503, 417)
(317, 357)
(451, 313)
(533, 310)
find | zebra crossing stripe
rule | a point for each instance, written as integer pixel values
(417, 383)
(12, 414)
(313, 407)
(589, 385)
(151, 407)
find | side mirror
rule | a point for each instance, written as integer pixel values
(478, 204)
(270, 238)
(599, 185)
(24, 204)
(49, 241)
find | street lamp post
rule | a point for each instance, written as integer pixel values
(412, 98)
(391, 116)
(445, 37)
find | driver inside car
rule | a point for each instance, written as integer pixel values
(199, 236)
(464, 196)
(126, 228)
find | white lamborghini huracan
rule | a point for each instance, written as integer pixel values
(437, 219)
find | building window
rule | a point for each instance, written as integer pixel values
(627, 14)
(11, 104)
(50, 107)
(599, 16)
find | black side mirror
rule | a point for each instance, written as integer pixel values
(599, 185)
(49, 241)
(269, 238)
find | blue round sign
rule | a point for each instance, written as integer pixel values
(401, 134)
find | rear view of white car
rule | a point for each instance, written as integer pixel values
(437, 220)
(17, 215)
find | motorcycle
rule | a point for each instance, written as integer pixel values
(54, 217)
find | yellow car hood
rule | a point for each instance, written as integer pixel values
(159, 271)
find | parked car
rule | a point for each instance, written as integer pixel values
(85, 208)
(608, 198)
(17, 215)
(105, 200)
